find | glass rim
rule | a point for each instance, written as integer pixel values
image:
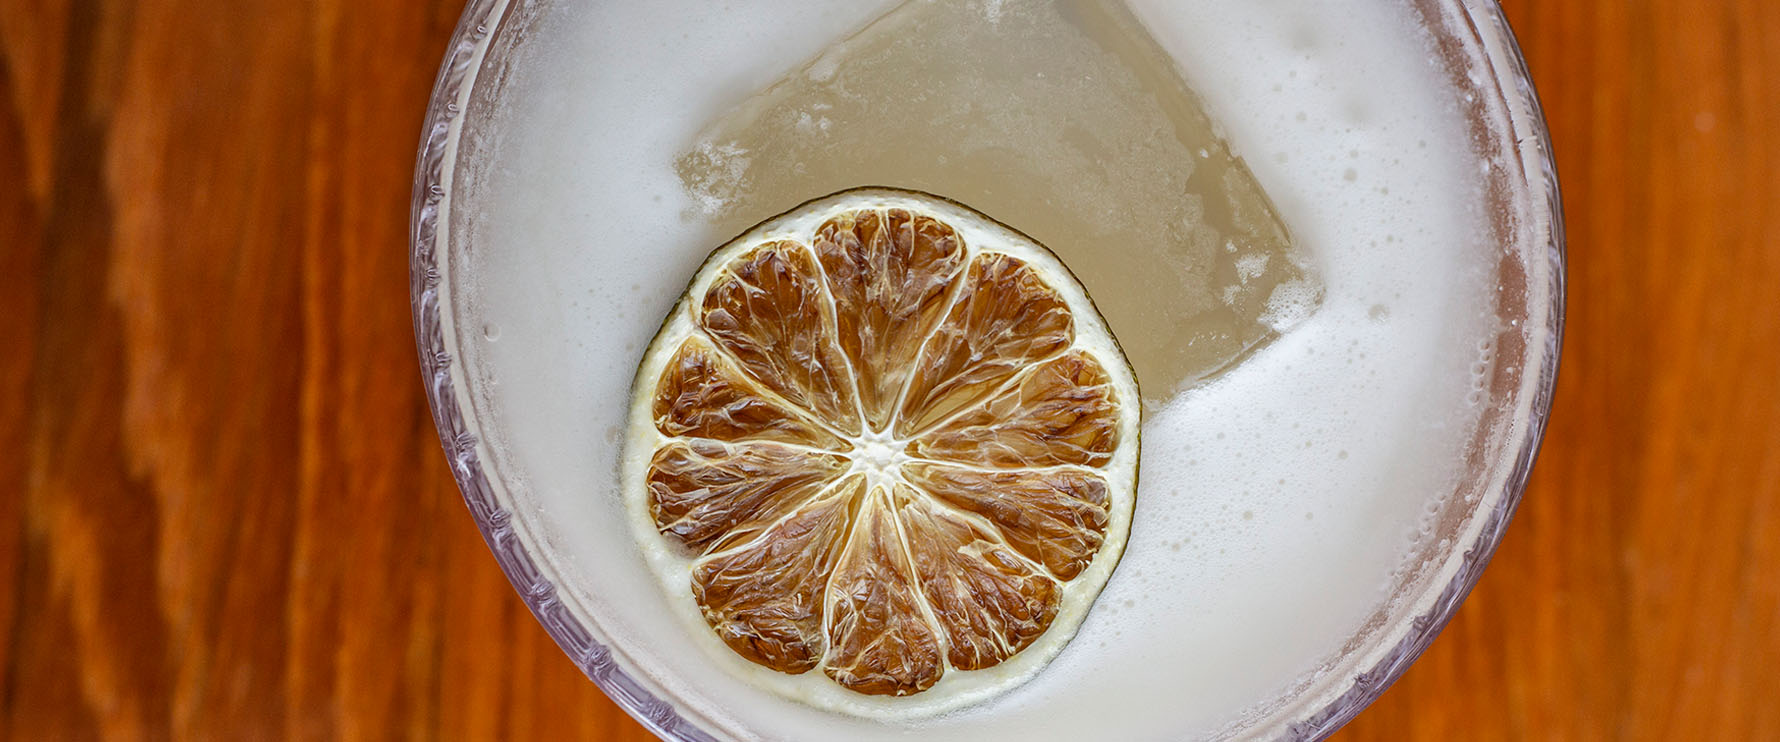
(589, 648)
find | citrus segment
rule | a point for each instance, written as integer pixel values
(890, 273)
(702, 395)
(700, 490)
(890, 438)
(1061, 412)
(1005, 318)
(769, 313)
(764, 598)
(990, 602)
(1055, 517)
(882, 641)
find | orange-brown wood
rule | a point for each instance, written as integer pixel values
(224, 513)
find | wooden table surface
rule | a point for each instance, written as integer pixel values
(224, 513)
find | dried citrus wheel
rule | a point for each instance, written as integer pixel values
(884, 446)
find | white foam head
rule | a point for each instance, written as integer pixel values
(1277, 504)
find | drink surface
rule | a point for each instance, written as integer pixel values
(1061, 117)
(1280, 496)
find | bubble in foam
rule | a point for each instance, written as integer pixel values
(1290, 304)
(715, 173)
(1250, 266)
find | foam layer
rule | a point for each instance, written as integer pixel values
(1276, 504)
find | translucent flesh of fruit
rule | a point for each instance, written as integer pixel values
(883, 645)
(1058, 413)
(890, 273)
(764, 598)
(702, 395)
(990, 602)
(1006, 318)
(700, 490)
(951, 553)
(769, 314)
(1056, 517)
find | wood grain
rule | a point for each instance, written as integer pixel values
(224, 513)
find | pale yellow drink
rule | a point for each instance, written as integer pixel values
(1273, 202)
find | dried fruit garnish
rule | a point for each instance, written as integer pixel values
(892, 439)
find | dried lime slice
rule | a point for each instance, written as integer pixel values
(884, 437)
